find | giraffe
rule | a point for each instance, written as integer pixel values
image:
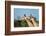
(31, 22)
(32, 19)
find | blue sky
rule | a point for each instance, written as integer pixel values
(22, 11)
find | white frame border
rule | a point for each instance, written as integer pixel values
(25, 28)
